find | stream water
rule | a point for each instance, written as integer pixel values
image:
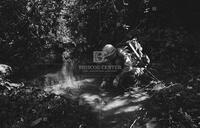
(64, 82)
(114, 110)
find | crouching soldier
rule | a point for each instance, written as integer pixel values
(129, 57)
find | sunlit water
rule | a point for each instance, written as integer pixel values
(64, 81)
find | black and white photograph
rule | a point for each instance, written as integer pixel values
(99, 64)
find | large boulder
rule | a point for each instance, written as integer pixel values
(5, 70)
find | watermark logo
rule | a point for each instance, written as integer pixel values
(98, 56)
(99, 67)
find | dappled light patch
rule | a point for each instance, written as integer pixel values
(141, 98)
(150, 123)
(120, 111)
(124, 102)
(115, 104)
(92, 99)
(128, 109)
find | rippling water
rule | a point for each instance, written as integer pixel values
(64, 81)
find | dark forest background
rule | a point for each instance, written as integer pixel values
(35, 32)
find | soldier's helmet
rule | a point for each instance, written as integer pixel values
(109, 50)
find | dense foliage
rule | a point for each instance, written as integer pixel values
(34, 31)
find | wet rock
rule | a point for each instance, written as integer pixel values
(5, 70)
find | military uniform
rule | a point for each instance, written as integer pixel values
(128, 61)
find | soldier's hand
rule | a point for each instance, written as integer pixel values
(103, 84)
